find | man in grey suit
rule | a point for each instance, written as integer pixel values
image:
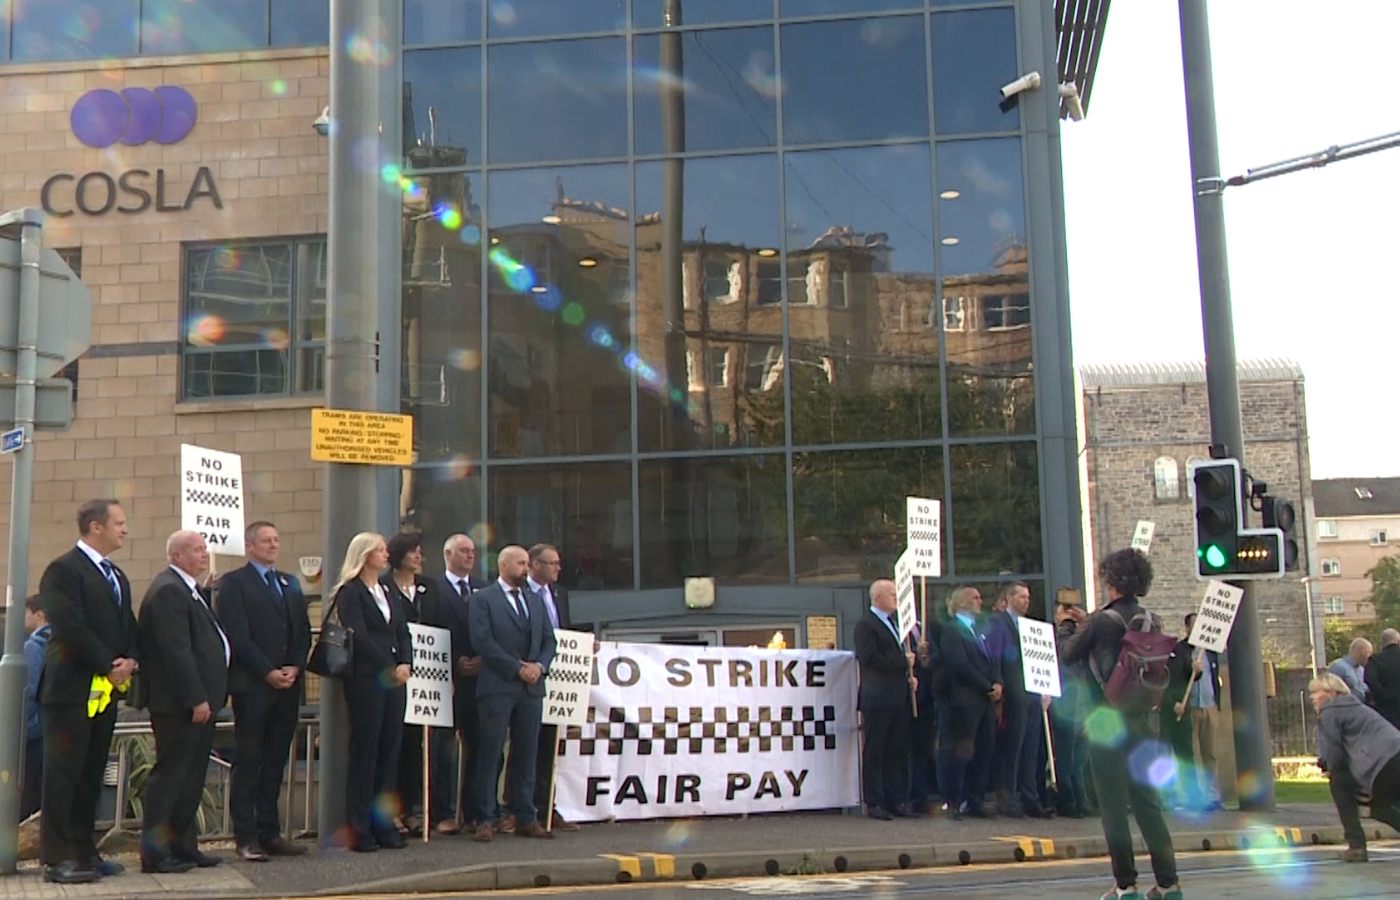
(511, 631)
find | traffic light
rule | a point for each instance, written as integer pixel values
(1278, 513)
(1219, 517)
(1258, 554)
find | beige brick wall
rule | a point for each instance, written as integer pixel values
(253, 132)
(1128, 428)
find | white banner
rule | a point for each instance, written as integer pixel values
(1142, 535)
(566, 688)
(430, 685)
(707, 731)
(904, 593)
(922, 534)
(211, 497)
(1040, 661)
(1211, 630)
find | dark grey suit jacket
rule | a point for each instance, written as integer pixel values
(504, 642)
(184, 662)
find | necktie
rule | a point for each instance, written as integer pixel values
(519, 605)
(552, 606)
(463, 589)
(111, 577)
(271, 578)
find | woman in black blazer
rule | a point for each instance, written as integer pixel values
(405, 581)
(374, 691)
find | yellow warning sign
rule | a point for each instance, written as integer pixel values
(370, 438)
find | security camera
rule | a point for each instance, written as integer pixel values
(1027, 82)
(1069, 93)
(322, 123)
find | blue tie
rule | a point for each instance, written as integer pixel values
(271, 578)
(111, 577)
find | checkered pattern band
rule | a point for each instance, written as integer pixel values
(675, 731)
(209, 498)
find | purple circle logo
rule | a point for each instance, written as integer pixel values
(133, 116)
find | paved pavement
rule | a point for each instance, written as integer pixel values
(687, 850)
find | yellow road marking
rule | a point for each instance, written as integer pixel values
(663, 864)
(629, 864)
(1029, 844)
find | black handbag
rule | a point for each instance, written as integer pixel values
(335, 646)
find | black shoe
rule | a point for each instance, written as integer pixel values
(70, 872)
(251, 853)
(166, 865)
(392, 843)
(105, 867)
(280, 846)
(365, 845)
(876, 812)
(905, 811)
(1012, 812)
(202, 860)
(971, 810)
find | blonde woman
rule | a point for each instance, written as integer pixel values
(374, 691)
(1361, 752)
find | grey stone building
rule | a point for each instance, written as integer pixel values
(1143, 425)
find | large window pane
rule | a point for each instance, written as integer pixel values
(559, 346)
(310, 307)
(442, 360)
(238, 308)
(718, 349)
(861, 293)
(442, 498)
(442, 107)
(4, 29)
(728, 96)
(827, 7)
(584, 510)
(518, 18)
(558, 100)
(974, 54)
(854, 80)
(996, 510)
(850, 509)
(722, 518)
(297, 23)
(986, 294)
(441, 21)
(202, 26)
(74, 29)
(650, 13)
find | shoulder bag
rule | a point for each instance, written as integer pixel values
(335, 646)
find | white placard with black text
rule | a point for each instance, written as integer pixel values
(430, 685)
(1211, 630)
(1040, 661)
(211, 497)
(570, 674)
(904, 594)
(1142, 535)
(923, 536)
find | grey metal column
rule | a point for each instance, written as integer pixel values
(12, 667)
(355, 495)
(1251, 721)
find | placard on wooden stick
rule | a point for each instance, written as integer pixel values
(1211, 630)
(923, 536)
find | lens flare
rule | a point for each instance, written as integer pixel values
(1275, 859)
(278, 87)
(206, 330)
(464, 360)
(277, 338)
(573, 314)
(1104, 727)
(367, 49)
(1152, 763)
(450, 218)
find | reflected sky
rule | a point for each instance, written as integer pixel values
(73, 29)
(557, 99)
(730, 199)
(826, 7)
(201, 26)
(441, 21)
(647, 13)
(526, 196)
(519, 18)
(974, 54)
(982, 205)
(446, 83)
(296, 23)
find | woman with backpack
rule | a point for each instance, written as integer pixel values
(1120, 644)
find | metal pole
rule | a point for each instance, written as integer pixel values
(12, 667)
(1254, 764)
(354, 500)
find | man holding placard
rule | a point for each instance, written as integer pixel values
(1018, 746)
(1195, 692)
(883, 702)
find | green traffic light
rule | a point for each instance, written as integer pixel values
(1213, 556)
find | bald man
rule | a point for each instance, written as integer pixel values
(1383, 677)
(885, 684)
(184, 684)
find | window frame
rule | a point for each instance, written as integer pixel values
(1331, 568)
(1379, 537)
(1327, 529)
(1334, 606)
(301, 290)
(1002, 306)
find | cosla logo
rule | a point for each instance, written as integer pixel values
(132, 116)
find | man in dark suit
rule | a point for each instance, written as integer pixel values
(88, 603)
(511, 630)
(1017, 753)
(885, 685)
(455, 588)
(543, 580)
(184, 685)
(263, 612)
(1383, 677)
(974, 687)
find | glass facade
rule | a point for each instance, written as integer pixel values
(713, 299)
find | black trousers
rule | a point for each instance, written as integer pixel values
(264, 725)
(469, 727)
(440, 772)
(1120, 774)
(176, 786)
(75, 758)
(973, 727)
(923, 735)
(1030, 769)
(518, 716)
(1385, 800)
(376, 731)
(1009, 741)
(884, 757)
(32, 794)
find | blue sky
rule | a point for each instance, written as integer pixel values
(1312, 268)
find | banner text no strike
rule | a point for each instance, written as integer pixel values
(624, 671)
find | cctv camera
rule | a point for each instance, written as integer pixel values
(1069, 93)
(322, 123)
(1027, 82)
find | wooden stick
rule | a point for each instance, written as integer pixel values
(553, 778)
(1049, 746)
(923, 606)
(427, 739)
(462, 792)
(913, 694)
(1187, 696)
